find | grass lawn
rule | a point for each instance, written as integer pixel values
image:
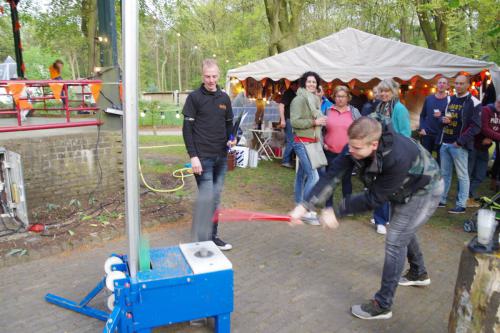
(270, 186)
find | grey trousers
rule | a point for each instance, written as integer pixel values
(401, 241)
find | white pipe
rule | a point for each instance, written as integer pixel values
(130, 35)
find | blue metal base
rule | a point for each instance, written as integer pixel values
(82, 306)
(169, 293)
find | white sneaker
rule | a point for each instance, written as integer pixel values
(311, 218)
(381, 229)
(372, 221)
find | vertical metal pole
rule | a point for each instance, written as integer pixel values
(179, 60)
(130, 132)
(18, 49)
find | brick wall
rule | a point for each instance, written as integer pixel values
(60, 168)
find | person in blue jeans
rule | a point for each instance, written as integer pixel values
(207, 129)
(434, 107)
(461, 123)
(284, 108)
(395, 113)
(393, 168)
(307, 120)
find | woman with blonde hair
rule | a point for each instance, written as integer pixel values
(391, 110)
(392, 113)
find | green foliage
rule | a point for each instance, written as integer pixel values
(176, 35)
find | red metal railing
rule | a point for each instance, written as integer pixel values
(36, 94)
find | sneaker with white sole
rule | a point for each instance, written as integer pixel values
(411, 279)
(311, 218)
(371, 310)
(372, 221)
(381, 229)
(221, 244)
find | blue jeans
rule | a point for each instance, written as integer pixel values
(478, 167)
(210, 184)
(401, 241)
(306, 176)
(458, 157)
(346, 179)
(382, 214)
(287, 155)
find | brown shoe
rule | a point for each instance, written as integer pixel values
(471, 203)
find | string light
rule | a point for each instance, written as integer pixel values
(433, 90)
(488, 81)
(410, 87)
(487, 73)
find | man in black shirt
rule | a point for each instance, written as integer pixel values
(284, 108)
(208, 122)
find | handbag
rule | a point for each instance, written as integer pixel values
(315, 153)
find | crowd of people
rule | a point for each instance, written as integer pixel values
(455, 128)
(403, 182)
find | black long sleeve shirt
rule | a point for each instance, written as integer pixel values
(208, 122)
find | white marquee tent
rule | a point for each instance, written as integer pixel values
(352, 54)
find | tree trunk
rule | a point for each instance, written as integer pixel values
(442, 34)
(437, 38)
(283, 17)
(157, 61)
(163, 79)
(78, 75)
(477, 294)
(403, 29)
(71, 65)
(89, 28)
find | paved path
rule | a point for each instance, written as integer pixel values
(300, 279)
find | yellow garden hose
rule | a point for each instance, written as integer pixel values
(179, 173)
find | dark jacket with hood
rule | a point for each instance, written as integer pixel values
(400, 168)
(471, 122)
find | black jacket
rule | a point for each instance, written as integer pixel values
(208, 123)
(400, 168)
(471, 122)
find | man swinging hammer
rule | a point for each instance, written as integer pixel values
(393, 168)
